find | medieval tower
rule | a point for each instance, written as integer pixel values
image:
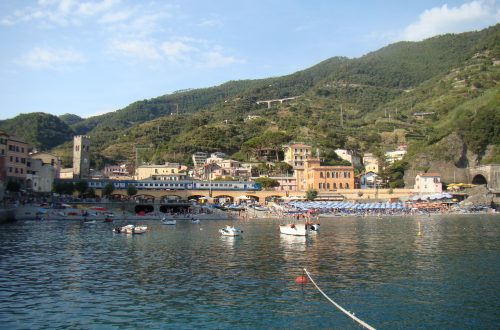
(81, 156)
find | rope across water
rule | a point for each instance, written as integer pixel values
(343, 310)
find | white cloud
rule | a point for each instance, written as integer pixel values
(51, 58)
(93, 8)
(439, 20)
(136, 48)
(59, 12)
(176, 50)
(214, 59)
(209, 23)
(180, 51)
(114, 17)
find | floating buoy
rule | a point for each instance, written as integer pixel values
(302, 279)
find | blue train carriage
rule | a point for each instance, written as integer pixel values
(226, 185)
(176, 185)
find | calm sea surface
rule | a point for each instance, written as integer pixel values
(60, 275)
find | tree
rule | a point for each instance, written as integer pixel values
(131, 190)
(267, 183)
(108, 189)
(81, 187)
(282, 167)
(13, 186)
(61, 187)
(311, 194)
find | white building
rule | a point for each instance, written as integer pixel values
(428, 183)
(40, 177)
(221, 168)
(398, 154)
(369, 180)
(350, 156)
(199, 158)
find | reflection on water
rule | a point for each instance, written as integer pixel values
(56, 274)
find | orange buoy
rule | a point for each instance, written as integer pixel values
(302, 279)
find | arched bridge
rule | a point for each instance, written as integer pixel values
(230, 196)
(270, 102)
(486, 174)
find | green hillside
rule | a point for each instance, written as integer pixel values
(370, 103)
(40, 130)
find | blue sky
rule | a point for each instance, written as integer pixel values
(94, 56)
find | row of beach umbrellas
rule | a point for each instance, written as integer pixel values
(311, 205)
(431, 197)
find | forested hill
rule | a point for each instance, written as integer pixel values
(40, 130)
(450, 76)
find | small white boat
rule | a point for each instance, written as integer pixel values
(89, 222)
(296, 229)
(166, 221)
(230, 231)
(140, 229)
(131, 229)
(195, 220)
(128, 229)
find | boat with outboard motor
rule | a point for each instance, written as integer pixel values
(130, 229)
(230, 231)
(168, 221)
(295, 229)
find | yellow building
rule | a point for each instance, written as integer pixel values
(370, 161)
(168, 171)
(296, 154)
(324, 178)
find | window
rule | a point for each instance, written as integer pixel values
(321, 175)
(347, 186)
(328, 185)
(340, 185)
(334, 185)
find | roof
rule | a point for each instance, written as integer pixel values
(298, 144)
(429, 174)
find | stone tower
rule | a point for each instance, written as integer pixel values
(81, 156)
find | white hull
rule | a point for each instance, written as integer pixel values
(131, 229)
(168, 222)
(230, 231)
(295, 229)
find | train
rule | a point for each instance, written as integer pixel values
(175, 185)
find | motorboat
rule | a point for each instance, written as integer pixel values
(230, 231)
(314, 226)
(130, 229)
(195, 220)
(296, 229)
(140, 229)
(89, 222)
(167, 221)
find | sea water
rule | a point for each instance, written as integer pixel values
(391, 272)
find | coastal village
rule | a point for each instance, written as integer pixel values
(28, 175)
